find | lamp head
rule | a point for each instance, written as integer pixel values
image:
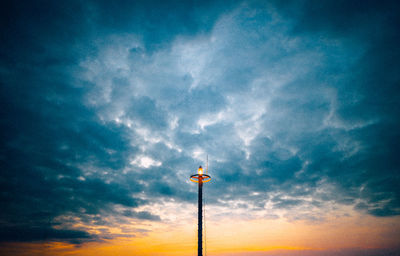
(200, 171)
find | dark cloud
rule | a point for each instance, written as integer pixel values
(46, 131)
(145, 111)
(24, 234)
(142, 215)
(154, 21)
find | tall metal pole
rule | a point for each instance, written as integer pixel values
(200, 220)
(200, 178)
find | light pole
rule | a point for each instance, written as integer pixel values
(200, 178)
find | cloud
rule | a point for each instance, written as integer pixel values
(296, 105)
(22, 234)
(142, 215)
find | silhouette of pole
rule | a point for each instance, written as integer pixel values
(200, 178)
(200, 220)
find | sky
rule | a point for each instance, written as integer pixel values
(108, 107)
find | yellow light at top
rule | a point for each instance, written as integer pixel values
(200, 171)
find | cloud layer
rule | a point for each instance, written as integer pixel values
(296, 105)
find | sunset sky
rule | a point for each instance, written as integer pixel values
(107, 108)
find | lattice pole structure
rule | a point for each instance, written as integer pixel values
(200, 178)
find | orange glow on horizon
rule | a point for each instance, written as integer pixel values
(234, 236)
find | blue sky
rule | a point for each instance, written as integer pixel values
(107, 108)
